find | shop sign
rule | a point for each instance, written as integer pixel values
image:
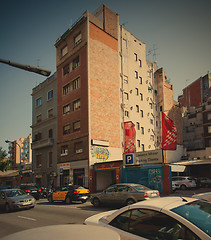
(147, 157)
(64, 165)
(103, 166)
(100, 153)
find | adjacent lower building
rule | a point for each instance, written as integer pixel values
(44, 132)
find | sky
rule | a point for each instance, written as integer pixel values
(178, 31)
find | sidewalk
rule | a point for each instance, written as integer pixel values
(190, 192)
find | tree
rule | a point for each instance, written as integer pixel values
(4, 163)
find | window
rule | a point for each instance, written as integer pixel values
(126, 96)
(76, 83)
(66, 69)
(136, 91)
(136, 74)
(78, 147)
(137, 108)
(152, 137)
(125, 78)
(77, 39)
(151, 121)
(141, 113)
(142, 130)
(66, 89)
(209, 129)
(50, 94)
(38, 102)
(141, 96)
(50, 113)
(50, 133)
(66, 109)
(140, 63)
(135, 56)
(209, 116)
(138, 126)
(150, 104)
(38, 136)
(64, 150)
(126, 114)
(151, 224)
(39, 118)
(124, 43)
(38, 161)
(140, 80)
(149, 89)
(66, 129)
(64, 51)
(50, 159)
(76, 62)
(139, 143)
(76, 126)
(142, 147)
(76, 105)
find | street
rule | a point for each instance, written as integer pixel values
(44, 214)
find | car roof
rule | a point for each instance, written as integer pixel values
(9, 189)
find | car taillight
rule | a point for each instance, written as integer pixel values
(146, 195)
(189, 181)
(88, 191)
(76, 192)
(27, 191)
(39, 190)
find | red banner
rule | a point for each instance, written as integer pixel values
(169, 134)
(130, 137)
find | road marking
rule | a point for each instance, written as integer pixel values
(32, 219)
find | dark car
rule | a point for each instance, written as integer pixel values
(11, 199)
(204, 182)
(123, 194)
(68, 194)
(31, 189)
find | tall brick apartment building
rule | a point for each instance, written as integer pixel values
(104, 80)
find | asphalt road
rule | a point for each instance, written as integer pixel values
(45, 214)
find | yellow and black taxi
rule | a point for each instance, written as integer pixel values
(69, 193)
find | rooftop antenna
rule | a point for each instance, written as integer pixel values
(154, 54)
(124, 24)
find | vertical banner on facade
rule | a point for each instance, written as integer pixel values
(169, 134)
(130, 137)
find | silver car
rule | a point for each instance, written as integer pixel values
(184, 182)
(11, 199)
(123, 194)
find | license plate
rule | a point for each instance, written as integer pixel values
(153, 195)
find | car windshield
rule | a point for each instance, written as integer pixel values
(198, 213)
(14, 193)
(140, 187)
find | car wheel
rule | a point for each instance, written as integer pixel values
(7, 207)
(130, 201)
(183, 187)
(50, 199)
(68, 200)
(83, 201)
(96, 202)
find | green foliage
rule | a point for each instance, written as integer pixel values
(4, 165)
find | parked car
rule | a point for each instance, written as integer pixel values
(11, 199)
(31, 189)
(70, 193)
(123, 194)
(204, 182)
(204, 196)
(175, 186)
(184, 182)
(162, 218)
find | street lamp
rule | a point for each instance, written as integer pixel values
(29, 68)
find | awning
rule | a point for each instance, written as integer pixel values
(192, 162)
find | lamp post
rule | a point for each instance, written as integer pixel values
(26, 67)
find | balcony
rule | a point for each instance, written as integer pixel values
(42, 143)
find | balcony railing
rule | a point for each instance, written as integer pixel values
(42, 143)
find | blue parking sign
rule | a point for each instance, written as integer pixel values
(129, 159)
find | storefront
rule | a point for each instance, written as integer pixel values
(73, 173)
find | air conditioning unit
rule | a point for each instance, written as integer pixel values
(79, 150)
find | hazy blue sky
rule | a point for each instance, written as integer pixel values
(180, 31)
